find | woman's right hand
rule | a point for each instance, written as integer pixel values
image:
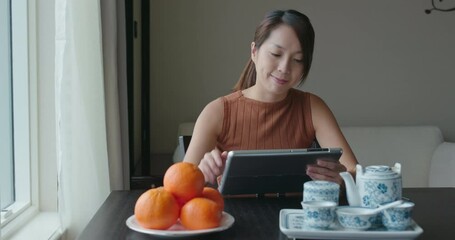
(212, 165)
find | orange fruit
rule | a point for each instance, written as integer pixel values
(184, 180)
(200, 213)
(215, 195)
(156, 209)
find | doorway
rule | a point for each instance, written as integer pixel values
(137, 39)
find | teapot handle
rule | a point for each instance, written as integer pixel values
(359, 170)
(397, 168)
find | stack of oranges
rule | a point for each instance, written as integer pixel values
(183, 196)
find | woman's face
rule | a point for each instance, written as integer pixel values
(279, 61)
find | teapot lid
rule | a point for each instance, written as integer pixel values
(381, 172)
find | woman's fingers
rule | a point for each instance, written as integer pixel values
(334, 166)
(325, 177)
(212, 165)
(326, 170)
(208, 175)
(216, 155)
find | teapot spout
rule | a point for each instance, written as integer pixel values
(352, 192)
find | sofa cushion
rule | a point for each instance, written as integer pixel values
(442, 171)
(412, 146)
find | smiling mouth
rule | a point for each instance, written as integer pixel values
(279, 80)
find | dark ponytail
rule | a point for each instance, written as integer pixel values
(247, 78)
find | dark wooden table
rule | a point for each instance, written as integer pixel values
(258, 218)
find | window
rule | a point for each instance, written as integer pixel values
(15, 155)
(28, 180)
(6, 142)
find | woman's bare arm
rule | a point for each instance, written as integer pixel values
(202, 150)
(206, 130)
(329, 134)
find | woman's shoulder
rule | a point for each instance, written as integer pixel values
(319, 108)
(304, 94)
(316, 103)
(212, 115)
(232, 96)
(217, 105)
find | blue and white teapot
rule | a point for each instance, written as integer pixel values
(375, 185)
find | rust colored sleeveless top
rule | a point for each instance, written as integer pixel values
(249, 124)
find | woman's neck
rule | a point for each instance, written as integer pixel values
(259, 95)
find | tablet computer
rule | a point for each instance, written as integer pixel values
(271, 171)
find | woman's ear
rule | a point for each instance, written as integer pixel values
(253, 52)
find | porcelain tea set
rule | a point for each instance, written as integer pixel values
(375, 200)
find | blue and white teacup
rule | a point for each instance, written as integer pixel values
(356, 218)
(319, 214)
(321, 191)
(399, 217)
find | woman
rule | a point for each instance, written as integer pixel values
(265, 111)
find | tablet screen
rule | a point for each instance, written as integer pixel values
(271, 171)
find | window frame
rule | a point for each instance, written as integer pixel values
(6, 145)
(23, 71)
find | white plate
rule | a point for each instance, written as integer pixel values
(292, 224)
(177, 230)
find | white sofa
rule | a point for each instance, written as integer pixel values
(427, 160)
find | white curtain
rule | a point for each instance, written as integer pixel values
(88, 164)
(115, 82)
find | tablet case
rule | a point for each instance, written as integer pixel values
(271, 171)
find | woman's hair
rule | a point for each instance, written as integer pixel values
(303, 29)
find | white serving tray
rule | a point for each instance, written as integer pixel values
(292, 224)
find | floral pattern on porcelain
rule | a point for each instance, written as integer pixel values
(379, 185)
(374, 193)
(319, 218)
(321, 190)
(398, 218)
(355, 222)
(318, 214)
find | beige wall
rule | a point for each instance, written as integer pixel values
(376, 62)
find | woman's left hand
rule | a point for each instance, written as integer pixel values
(326, 170)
